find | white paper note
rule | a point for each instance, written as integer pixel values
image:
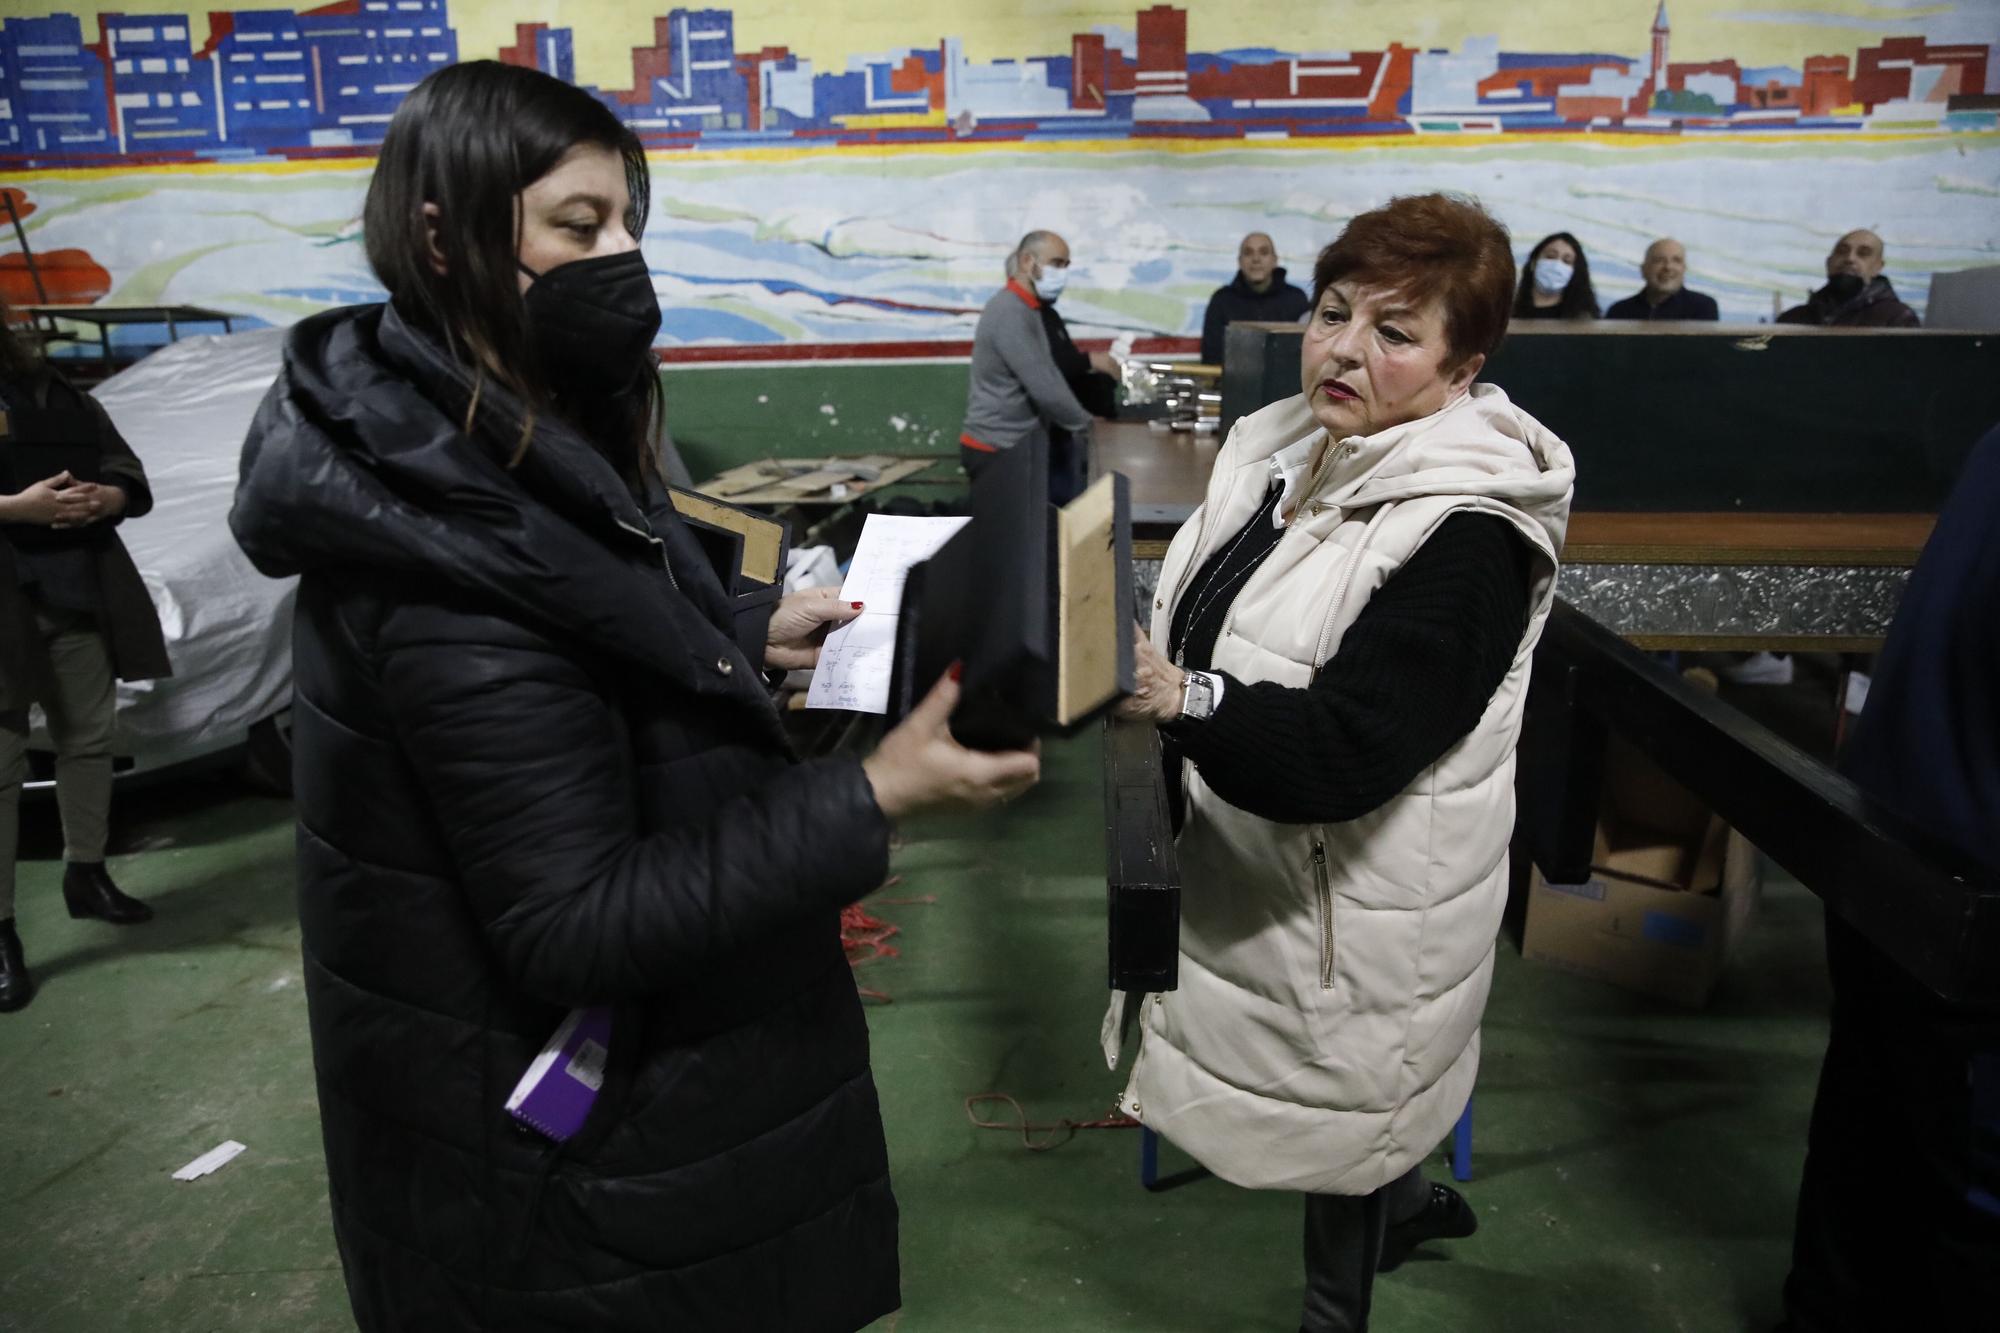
(854, 663)
(218, 1156)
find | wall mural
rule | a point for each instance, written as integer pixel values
(808, 194)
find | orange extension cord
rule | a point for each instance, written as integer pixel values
(1054, 1133)
(866, 938)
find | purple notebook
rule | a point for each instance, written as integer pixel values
(555, 1094)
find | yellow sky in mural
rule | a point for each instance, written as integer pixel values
(1756, 32)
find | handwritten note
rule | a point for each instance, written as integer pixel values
(855, 662)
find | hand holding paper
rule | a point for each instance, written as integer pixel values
(853, 670)
(800, 625)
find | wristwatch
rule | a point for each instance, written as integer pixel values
(1201, 693)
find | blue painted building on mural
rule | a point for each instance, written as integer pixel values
(263, 74)
(163, 97)
(52, 91)
(268, 79)
(364, 61)
(688, 79)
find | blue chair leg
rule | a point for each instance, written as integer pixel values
(1461, 1146)
(1149, 1157)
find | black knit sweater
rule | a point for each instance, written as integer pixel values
(1413, 674)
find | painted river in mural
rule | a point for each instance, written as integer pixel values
(860, 247)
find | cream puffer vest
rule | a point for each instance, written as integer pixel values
(1325, 1034)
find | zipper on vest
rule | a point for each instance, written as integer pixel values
(1323, 885)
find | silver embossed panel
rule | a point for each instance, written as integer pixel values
(1826, 600)
(1145, 578)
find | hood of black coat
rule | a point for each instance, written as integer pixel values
(357, 465)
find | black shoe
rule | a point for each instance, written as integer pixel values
(16, 986)
(1445, 1216)
(88, 891)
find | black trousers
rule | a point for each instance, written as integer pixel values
(1899, 1211)
(1069, 464)
(1343, 1246)
(973, 460)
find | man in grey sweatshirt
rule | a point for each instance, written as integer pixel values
(1017, 393)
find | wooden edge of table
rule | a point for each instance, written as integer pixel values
(1810, 540)
(1839, 557)
(1729, 538)
(1146, 548)
(1751, 643)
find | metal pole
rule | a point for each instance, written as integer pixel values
(41, 292)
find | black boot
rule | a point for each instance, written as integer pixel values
(88, 891)
(16, 986)
(1445, 1216)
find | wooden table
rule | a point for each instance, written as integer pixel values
(1168, 471)
(823, 482)
(1688, 581)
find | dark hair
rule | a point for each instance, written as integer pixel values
(1579, 299)
(469, 139)
(20, 355)
(1443, 247)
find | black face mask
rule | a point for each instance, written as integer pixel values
(1844, 287)
(592, 321)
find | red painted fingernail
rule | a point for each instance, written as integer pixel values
(957, 670)
(855, 605)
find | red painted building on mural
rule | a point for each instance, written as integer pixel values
(1887, 73)
(1163, 62)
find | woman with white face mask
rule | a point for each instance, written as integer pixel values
(1555, 282)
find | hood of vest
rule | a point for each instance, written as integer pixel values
(1481, 445)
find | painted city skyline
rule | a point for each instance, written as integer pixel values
(807, 196)
(324, 83)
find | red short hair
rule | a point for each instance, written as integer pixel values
(1445, 247)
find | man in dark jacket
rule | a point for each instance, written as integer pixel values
(1257, 292)
(1856, 295)
(1899, 1211)
(1665, 295)
(75, 618)
(1093, 378)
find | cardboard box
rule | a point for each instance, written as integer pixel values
(1672, 889)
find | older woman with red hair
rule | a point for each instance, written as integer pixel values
(1338, 660)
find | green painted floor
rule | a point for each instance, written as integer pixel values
(1636, 1165)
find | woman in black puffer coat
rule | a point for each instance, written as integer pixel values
(534, 771)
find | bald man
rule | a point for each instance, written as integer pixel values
(1666, 295)
(1856, 295)
(1018, 392)
(1257, 292)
